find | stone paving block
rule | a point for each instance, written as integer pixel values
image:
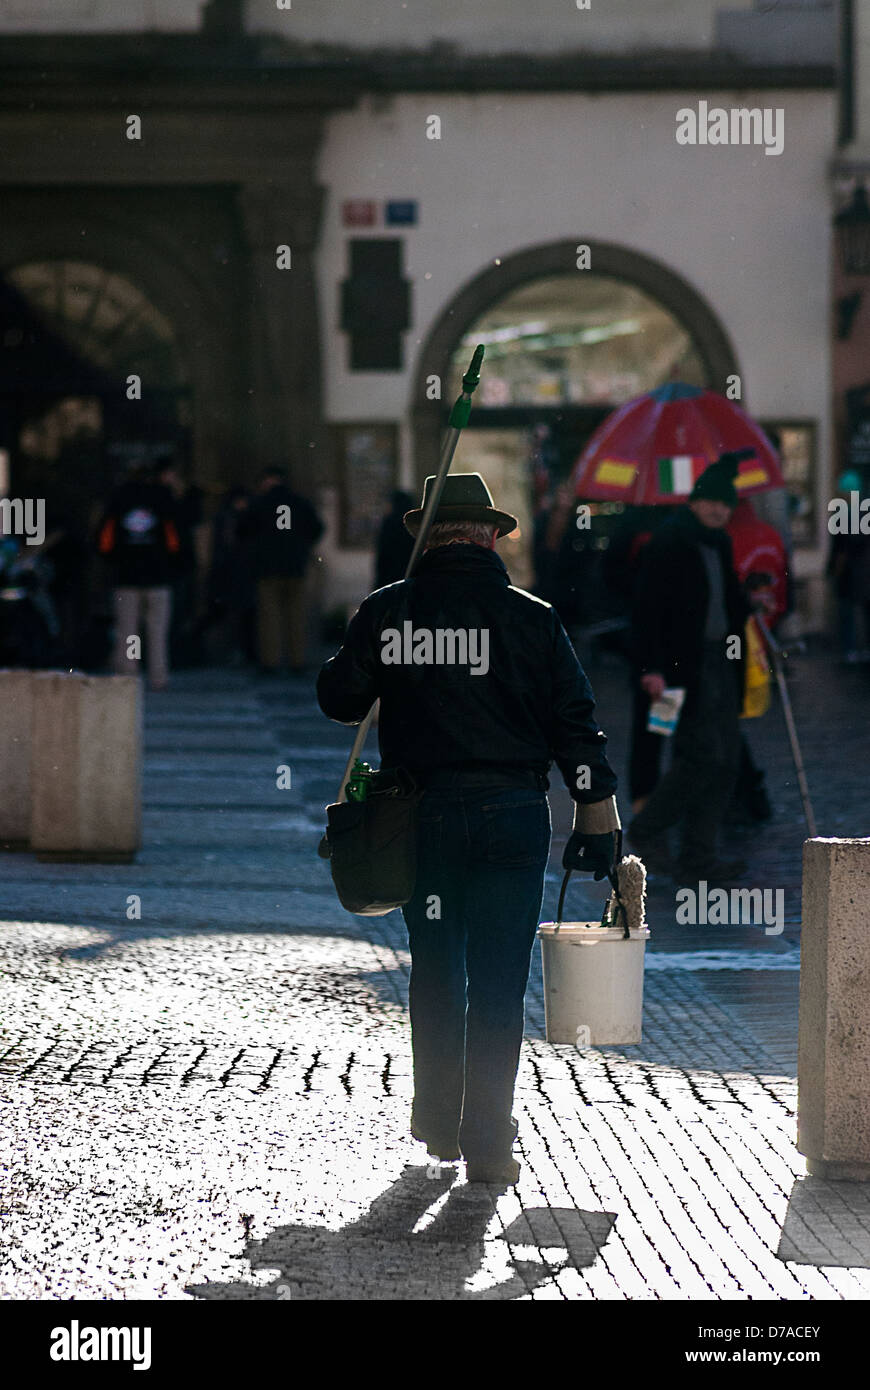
(688, 1211)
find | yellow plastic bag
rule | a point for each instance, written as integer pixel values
(756, 689)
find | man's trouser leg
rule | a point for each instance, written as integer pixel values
(510, 841)
(435, 918)
(666, 805)
(715, 756)
(269, 621)
(158, 612)
(128, 606)
(645, 753)
(295, 621)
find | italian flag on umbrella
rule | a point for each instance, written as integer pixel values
(653, 449)
(678, 474)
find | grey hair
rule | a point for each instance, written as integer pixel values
(461, 532)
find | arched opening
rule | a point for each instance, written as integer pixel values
(564, 347)
(76, 337)
(91, 379)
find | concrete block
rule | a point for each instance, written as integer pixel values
(16, 712)
(834, 1014)
(87, 766)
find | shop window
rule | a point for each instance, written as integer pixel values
(367, 472)
(581, 340)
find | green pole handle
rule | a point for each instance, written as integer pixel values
(458, 420)
(472, 376)
(462, 407)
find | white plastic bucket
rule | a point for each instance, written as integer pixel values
(593, 983)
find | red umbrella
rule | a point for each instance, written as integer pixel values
(652, 449)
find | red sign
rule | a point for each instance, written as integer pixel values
(359, 212)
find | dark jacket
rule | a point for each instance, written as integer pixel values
(187, 515)
(138, 535)
(284, 550)
(533, 705)
(671, 600)
(232, 576)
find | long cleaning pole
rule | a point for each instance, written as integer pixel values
(777, 654)
(457, 422)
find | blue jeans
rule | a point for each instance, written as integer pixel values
(482, 852)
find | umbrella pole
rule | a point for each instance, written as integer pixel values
(458, 419)
(776, 653)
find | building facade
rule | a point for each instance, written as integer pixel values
(292, 223)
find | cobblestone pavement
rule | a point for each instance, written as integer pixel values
(211, 1102)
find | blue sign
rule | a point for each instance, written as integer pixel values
(401, 214)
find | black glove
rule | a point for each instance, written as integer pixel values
(592, 853)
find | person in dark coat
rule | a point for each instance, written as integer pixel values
(621, 567)
(480, 693)
(232, 583)
(138, 537)
(689, 609)
(187, 515)
(394, 542)
(285, 528)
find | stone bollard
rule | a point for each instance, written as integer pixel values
(87, 767)
(16, 711)
(834, 1024)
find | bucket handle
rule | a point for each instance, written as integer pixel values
(620, 905)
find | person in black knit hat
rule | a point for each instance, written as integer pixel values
(689, 604)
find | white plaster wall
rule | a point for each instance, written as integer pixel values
(495, 26)
(749, 231)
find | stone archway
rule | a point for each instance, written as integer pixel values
(131, 235)
(510, 272)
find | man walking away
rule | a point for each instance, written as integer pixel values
(285, 528)
(689, 603)
(480, 692)
(138, 536)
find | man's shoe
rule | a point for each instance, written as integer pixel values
(444, 1149)
(504, 1171)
